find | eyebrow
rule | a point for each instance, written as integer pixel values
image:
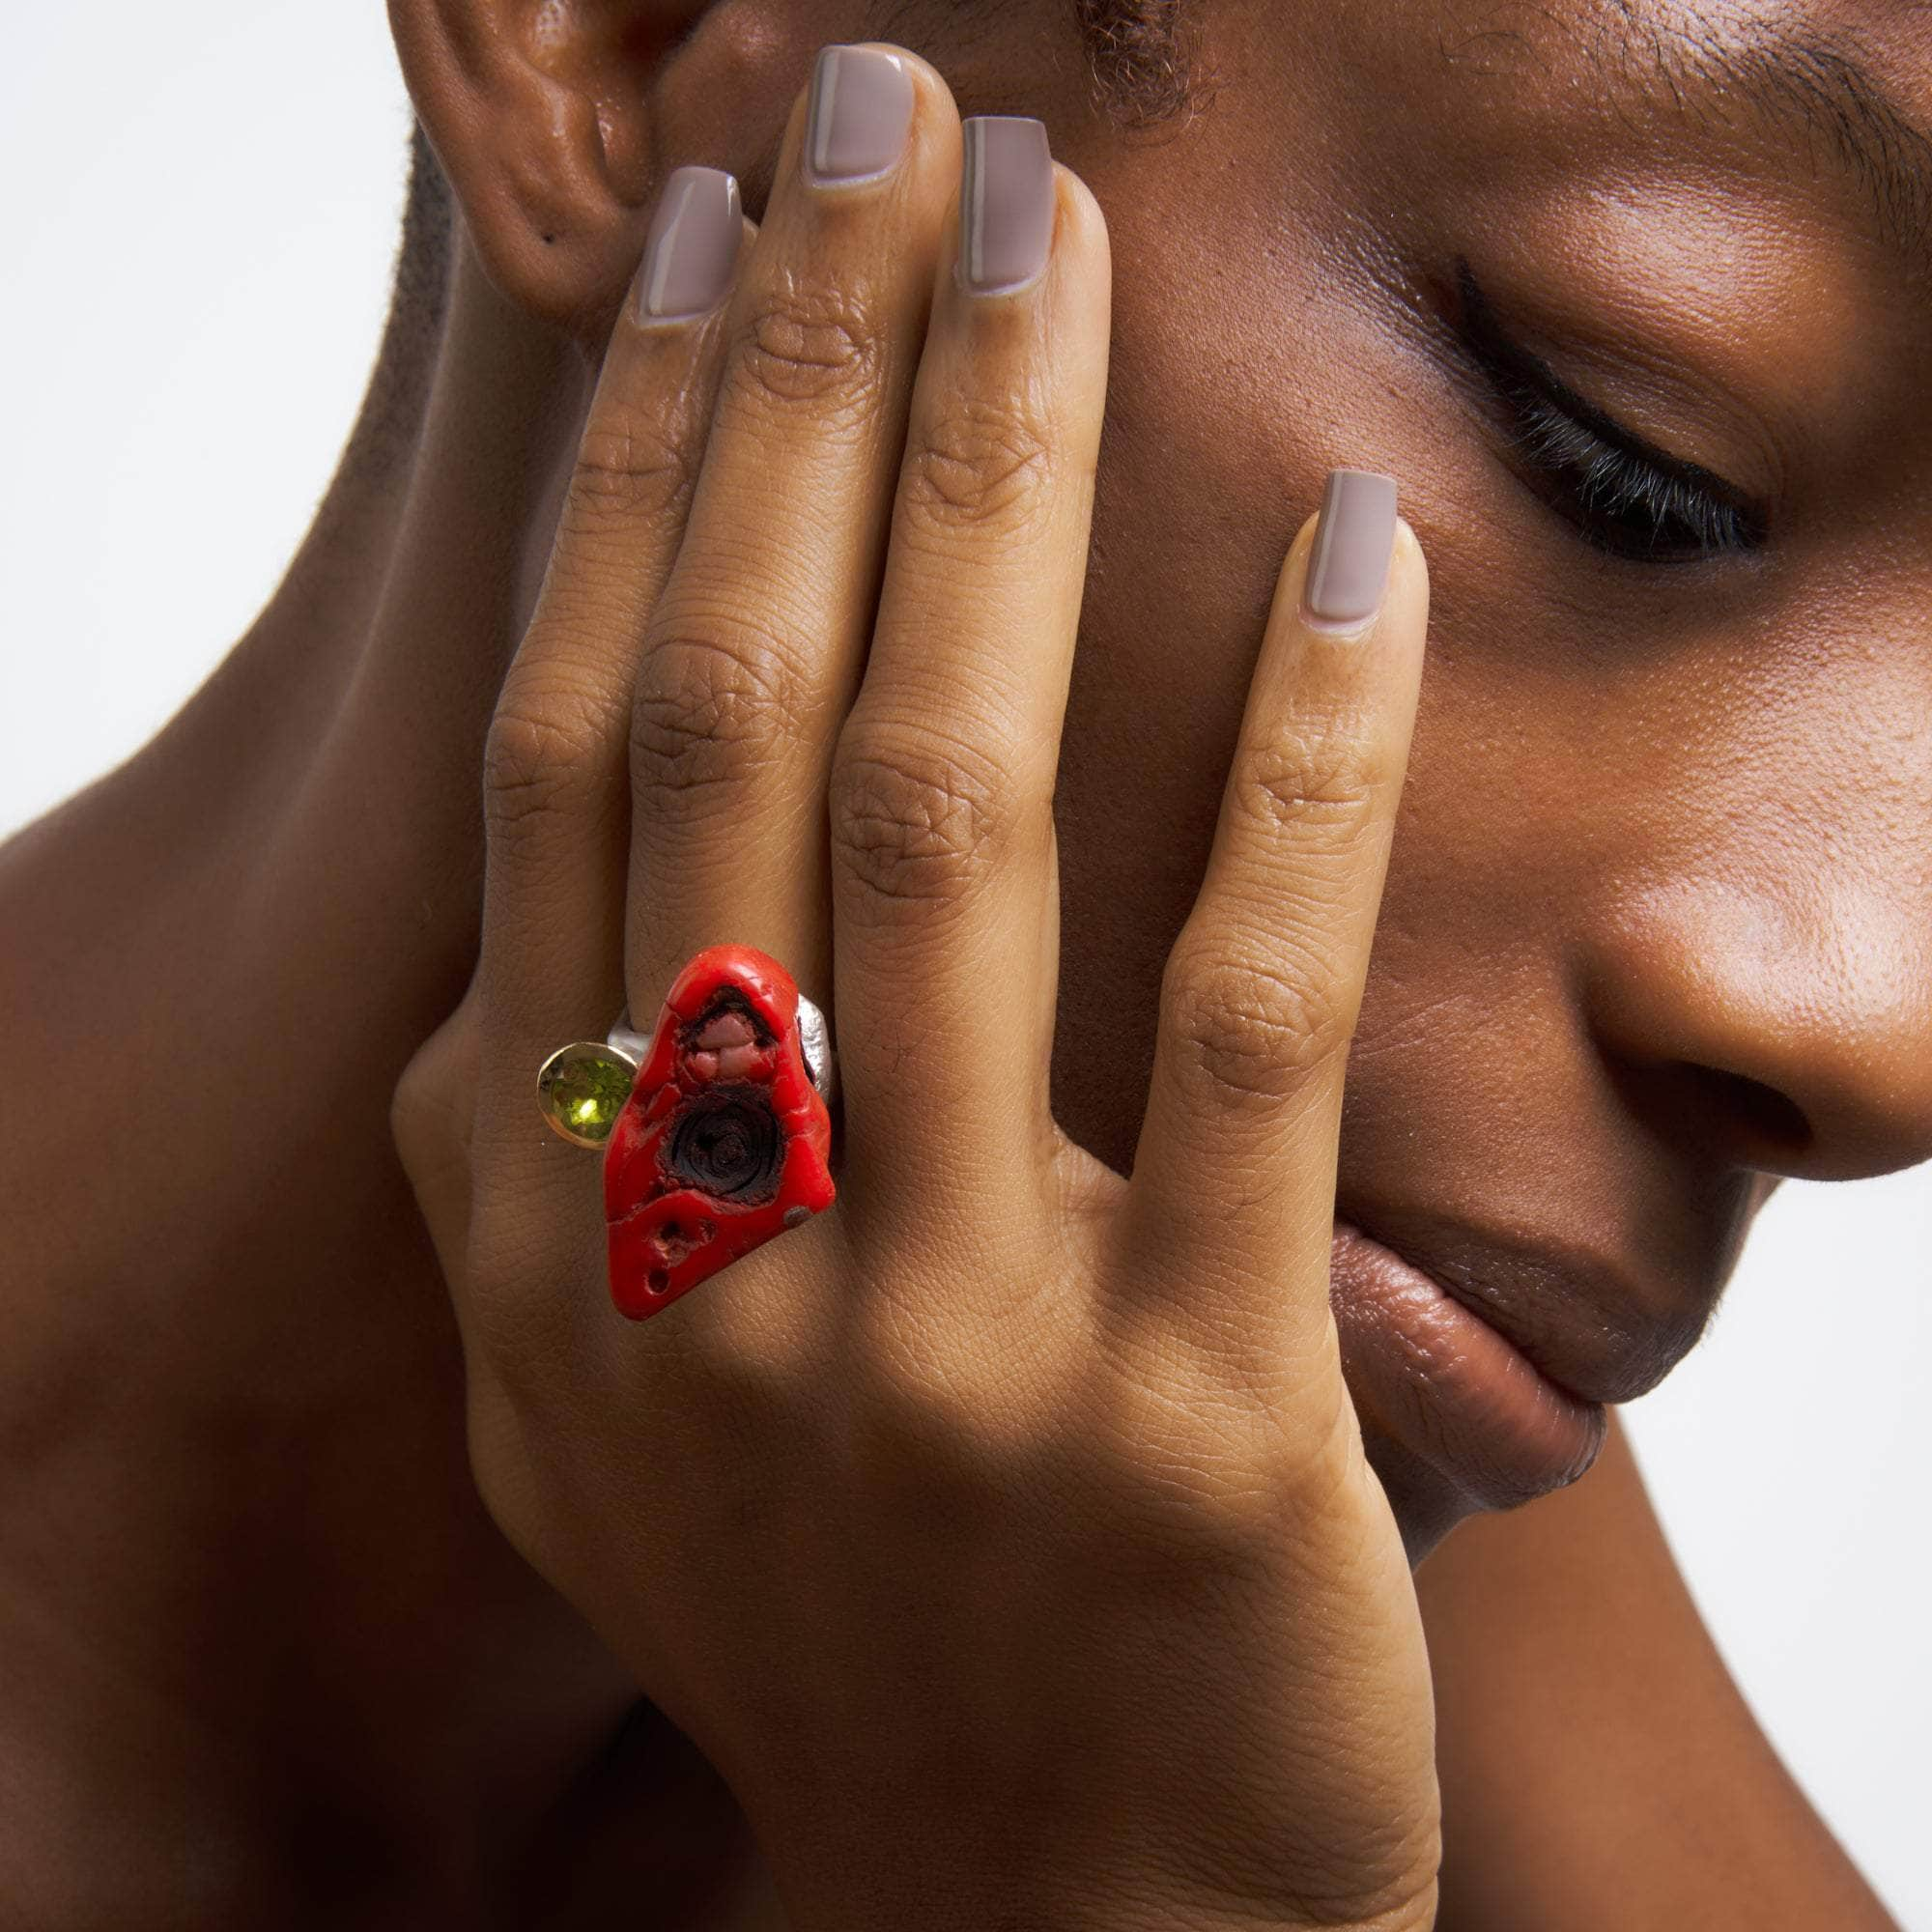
(1790, 75)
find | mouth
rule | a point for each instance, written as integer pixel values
(1449, 1387)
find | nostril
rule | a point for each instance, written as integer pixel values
(1790, 1040)
(1768, 1116)
(1709, 1110)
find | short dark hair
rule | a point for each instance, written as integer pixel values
(1143, 58)
(397, 394)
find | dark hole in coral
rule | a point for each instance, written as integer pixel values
(727, 1142)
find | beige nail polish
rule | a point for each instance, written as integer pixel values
(1354, 539)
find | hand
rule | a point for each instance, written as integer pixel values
(1002, 1534)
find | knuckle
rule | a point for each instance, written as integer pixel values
(977, 466)
(432, 1108)
(916, 817)
(1254, 1029)
(542, 759)
(417, 1131)
(809, 342)
(1325, 796)
(628, 475)
(422, 1123)
(709, 716)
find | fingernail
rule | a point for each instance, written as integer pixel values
(861, 109)
(692, 247)
(1348, 570)
(1005, 203)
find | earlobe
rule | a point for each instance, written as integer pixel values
(548, 120)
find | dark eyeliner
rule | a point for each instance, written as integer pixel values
(1621, 494)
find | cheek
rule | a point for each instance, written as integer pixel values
(1202, 482)
(1214, 452)
(1196, 503)
(1566, 743)
(1170, 626)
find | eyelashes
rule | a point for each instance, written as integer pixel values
(1619, 493)
(1622, 503)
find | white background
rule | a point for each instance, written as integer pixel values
(201, 208)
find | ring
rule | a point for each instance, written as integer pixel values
(716, 1126)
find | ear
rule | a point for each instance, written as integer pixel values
(556, 120)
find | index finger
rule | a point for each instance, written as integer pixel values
(1229, 1212)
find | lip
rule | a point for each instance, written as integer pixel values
(1449, 1385)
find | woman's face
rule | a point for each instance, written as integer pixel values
(1657, 925)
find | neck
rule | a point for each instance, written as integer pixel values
(384, 647)
(237, 1365)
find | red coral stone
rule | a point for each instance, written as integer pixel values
(724, 1142)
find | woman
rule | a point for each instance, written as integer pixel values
(368, 1680)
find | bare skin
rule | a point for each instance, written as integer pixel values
(251, 1601)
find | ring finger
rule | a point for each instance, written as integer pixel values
(755, 648)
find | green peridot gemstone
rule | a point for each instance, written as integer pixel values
(581, 1090)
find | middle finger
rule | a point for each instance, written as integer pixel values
(941, 797)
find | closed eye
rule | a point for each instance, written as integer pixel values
(1620, 493)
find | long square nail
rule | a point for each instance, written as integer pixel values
(860, 111)
(1005, 203)
(1354, 538)
(692, 247)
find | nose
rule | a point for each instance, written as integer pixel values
(1790, 1033)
